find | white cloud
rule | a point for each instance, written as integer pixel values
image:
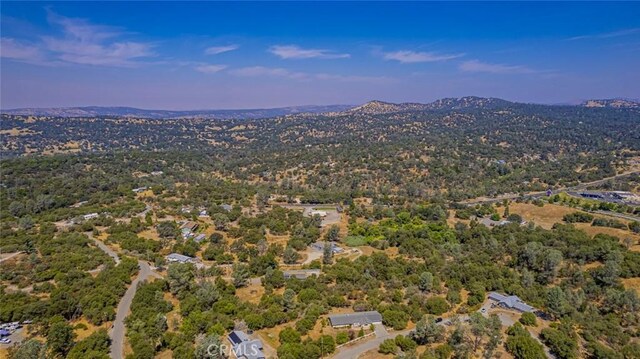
(13, 49)
(256, 71)
(296, 52)
(214, 50)
(89, 44)
(607, 35)
(408, 57)
(210, 69)
(478, 66)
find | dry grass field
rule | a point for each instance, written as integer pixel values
(550, 214)
(632, 283)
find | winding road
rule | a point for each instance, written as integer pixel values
(117, 331)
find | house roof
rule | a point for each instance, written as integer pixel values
(245, 347)
(251, 349)
(512, 301)
(179, 257)
(361, 318)
(237, 336)
(301, 273)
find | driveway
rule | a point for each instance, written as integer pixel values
(356, 350)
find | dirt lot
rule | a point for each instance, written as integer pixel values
(252, 292)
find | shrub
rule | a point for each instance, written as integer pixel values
(528, 319)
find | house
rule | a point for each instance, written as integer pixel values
(226, 207)
(203, 213)
(179, 258)
(510, 302)
(245, 347)
(301, 273)
(356, 319)
(319, 213)
(90, 216)
(191, 226)
(200, 237)
(488, 222)
(335, 248)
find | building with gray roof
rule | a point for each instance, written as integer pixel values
(245, 347)
(179, 258)
(301, 273)
(356, 319)
(511, 302)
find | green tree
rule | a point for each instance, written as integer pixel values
(425, 282)
(240, 275)
(327, 254)
(60, 338)
(528, 319)
(180, 277)
(333, 233)
(209, 347)
(388, 346)
(428, 331)
(290, 256)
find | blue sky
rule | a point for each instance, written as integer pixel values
(204, 55)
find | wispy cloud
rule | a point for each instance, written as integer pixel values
(253, 71)
(257, 71)
(479, 66)
(214, 50)
(89, 44)
(13, 49)
(408, 56)
(296, 52)
(210, 69)
(607, 35)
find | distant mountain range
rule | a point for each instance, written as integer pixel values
(95, 111)
(370, 108)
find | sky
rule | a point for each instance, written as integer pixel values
(215, 55)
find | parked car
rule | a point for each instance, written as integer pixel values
(438, 320)
(5, 341)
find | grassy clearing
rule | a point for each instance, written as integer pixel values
(550, 214)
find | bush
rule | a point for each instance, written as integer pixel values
(528, 319)
(577, 217)
(436, 305)
(388, 346)
(342, 338)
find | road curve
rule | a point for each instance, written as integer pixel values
(110, 252)
(118, 330)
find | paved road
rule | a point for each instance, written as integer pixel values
(116, 333)
(118, 330)
(105, 248)
(355, 351)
